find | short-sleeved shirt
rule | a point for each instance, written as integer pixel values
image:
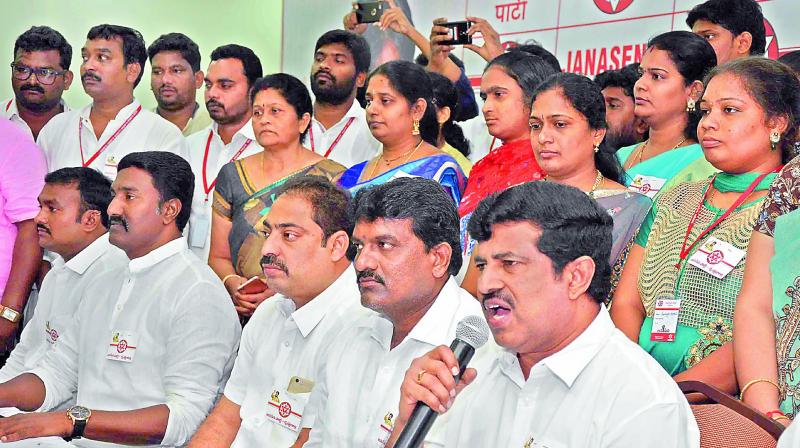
(783, 197)
(22, 171)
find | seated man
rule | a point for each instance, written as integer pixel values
(567, 377)
(72, 223)
(152, 343)
(286, 336)
(406, 237)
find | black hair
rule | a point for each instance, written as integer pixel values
(433, 214)
(572, 225)
(736, 16)
(538, 50)
(585, 97)
(423, 61)
(133, 47)
(94, 188)
(412, 82)
(44, 38)
(624, 78)
(291, 89)
(694, 57)
(250, 62)
(355, 43)
(180, 43)
(775, 87)
(792, 59)
(330, 204)
(526, 69)
(446, 95)
(172, 177)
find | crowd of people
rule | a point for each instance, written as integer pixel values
(276, 268)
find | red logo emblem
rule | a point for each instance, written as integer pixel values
(53, 335)
(772, 41)
(645, 188)
(285, 409)
(612, 6)
(122, 346)
(715, 257)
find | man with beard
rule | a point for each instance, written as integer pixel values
(39, 76)
(566, 377)
(152, 343)
(72, 223)
(407, 241)
(114, 124)
(339, 128)
(624, 129)
(292, 331)
(175, 76)
(231, 73)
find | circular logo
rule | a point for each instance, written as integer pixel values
(122, 346)
(645, 189)
(772, 41)
(715, 257)
(612, 6)
(285, 409)
(53, 335)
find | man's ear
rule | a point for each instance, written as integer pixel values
(91, 220)
(581, 272)
(170, 210)
(440, 256)
(338, 244)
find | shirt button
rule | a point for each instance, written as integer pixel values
(286, 344)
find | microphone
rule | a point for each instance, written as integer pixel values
(471, 333)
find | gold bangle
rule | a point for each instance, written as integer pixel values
(758, 380)
(780, 417)
(227, 277)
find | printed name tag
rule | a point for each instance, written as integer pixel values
(385, 429)
(110, 167)
(717, 257)
(122, 346)
(198, 231)
(665, 320)
(647, 185)
(285, 409)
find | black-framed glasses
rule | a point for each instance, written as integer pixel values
(43, 75)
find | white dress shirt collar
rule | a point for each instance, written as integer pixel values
(84, 259)
(309, 315)
(355, 111)
(157, 255)
(123, 113)
(245, 131)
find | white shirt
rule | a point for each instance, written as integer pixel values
(219, 154)
(59, 139)
(355, 145)
(11, 112)
(602, 390)
(62, 291)
(790, 437)
(359, 384)
(173, 318)
(278, 344)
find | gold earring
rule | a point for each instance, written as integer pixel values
(415, 130)
(774, 139)
(690, 105)
(596, 148)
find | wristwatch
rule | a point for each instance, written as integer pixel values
(79, 416)
(10, 314)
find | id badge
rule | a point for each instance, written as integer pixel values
(384, 430)
(198, 231)
(665, 320)
(286, 409)
(717, 257)
(122, 346)
(647, 185)
(110, 167)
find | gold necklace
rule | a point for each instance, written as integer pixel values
(407, 155)
(644, 145)
(598, 179)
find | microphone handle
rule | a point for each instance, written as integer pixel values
(422, 418)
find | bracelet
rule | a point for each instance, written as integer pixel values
(227, 277)
(777, 414)
(758, 380)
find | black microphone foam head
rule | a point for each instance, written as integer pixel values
(473, 330)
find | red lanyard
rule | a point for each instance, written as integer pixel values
(491, 147)
(206, 186)
(8, 106)
(108, 142)
(335, 142)
(739, 201)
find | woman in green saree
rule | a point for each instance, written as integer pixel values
(246, 188)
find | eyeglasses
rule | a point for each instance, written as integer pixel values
(43, 75)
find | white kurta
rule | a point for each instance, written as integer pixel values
(356, 144)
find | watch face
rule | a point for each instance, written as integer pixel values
(9, 314)
(79, 412)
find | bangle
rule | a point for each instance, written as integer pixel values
(227, 277)
(777, 414)
(758, 380)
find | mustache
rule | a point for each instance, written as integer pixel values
(118, 220)
(44, 228)
(214, 103)
(33, 87)
(272, 260)
(369, 273)
(499, 294)
(90, 75)
(326, 72)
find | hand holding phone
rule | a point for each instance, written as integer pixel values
(369, 12)
(252, 286)
(457, 33)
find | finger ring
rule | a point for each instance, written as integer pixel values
(419, 376)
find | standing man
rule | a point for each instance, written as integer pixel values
(290, 333)
(407, 241)
(624, 129)
(339, 128)
(567, 376)
(175, 76)
(39, 76)
(735, 28)
(231, 73)
(152, 343)
(72, 223)
(114, 124)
